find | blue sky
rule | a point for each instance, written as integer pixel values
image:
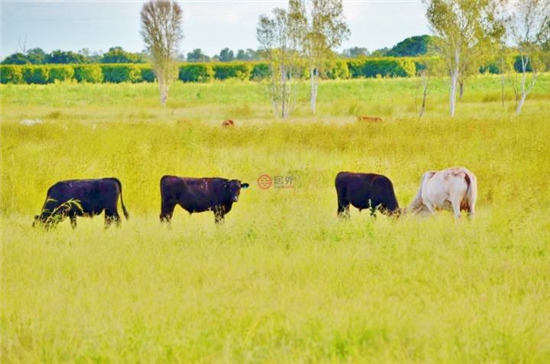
(208, 24)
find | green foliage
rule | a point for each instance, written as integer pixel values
(119, 55)
(226, 55)
(36, 56)
(197, 56)
(36, 74)
(196, 72)
(260, 71)
(147, 74)
(62, 57)
(61, 73)
(16, 58)
(338, 70)
(116, 73)
(384, 67)
(411, 47)
(11, 74)
(240, 70)
(88, 73)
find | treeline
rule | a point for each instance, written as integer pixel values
(363, 67)
(37, 56)
(410, 47)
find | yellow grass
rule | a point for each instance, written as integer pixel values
(282, 280)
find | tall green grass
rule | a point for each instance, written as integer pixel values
(282, 280)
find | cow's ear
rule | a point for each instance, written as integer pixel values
(244, 186)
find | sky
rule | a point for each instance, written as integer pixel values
(207, 24)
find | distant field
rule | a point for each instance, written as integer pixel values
(282, 280)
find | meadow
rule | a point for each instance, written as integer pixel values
(283, 280)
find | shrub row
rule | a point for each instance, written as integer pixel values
(42, 74)
(206, 72)
(196, 72)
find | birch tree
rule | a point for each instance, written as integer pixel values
(463, 30)
(530, 31)
(323, 28)
(161, 31)
(278, 38)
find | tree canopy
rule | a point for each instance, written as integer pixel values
(411, 47)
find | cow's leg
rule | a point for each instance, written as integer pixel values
(219, 214)
(167, 211)
(73, 221)
(343, 208)
(110, 217)
(372, 207)
(429, 206)
(455, 201)
(471, 212)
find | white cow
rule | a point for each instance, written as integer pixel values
(452, 188)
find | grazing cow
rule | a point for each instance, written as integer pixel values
(369, 118)
(228, 124)
(452, 188)
(365, 191)
(82, 197)
(198, 195)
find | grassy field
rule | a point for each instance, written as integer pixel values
(282, 281)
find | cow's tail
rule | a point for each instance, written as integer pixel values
(469, 201)
(126, 214)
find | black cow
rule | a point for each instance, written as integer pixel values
(198, 195)
(82, 197)
(365, 191)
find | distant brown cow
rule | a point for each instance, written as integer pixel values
(228, 124)
(369, 118)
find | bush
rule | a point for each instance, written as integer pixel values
(61, 73)
(147, 74)
(223, 71)
(36, 74)
(260, 71)
(338, 70)
(90, 73)
(196, 72)
(11, 74)
(117, 73)
(382, 67)
(518, 66)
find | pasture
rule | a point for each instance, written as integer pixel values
(283, 280)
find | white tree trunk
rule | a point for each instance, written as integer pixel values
(314, 84)
(521, 102)
(452, 99)
(163, 91)
(425, 84)
(454, 81)
(284, 106)
(525, 89)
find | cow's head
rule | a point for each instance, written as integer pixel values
(233, 187)
(43, 220)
